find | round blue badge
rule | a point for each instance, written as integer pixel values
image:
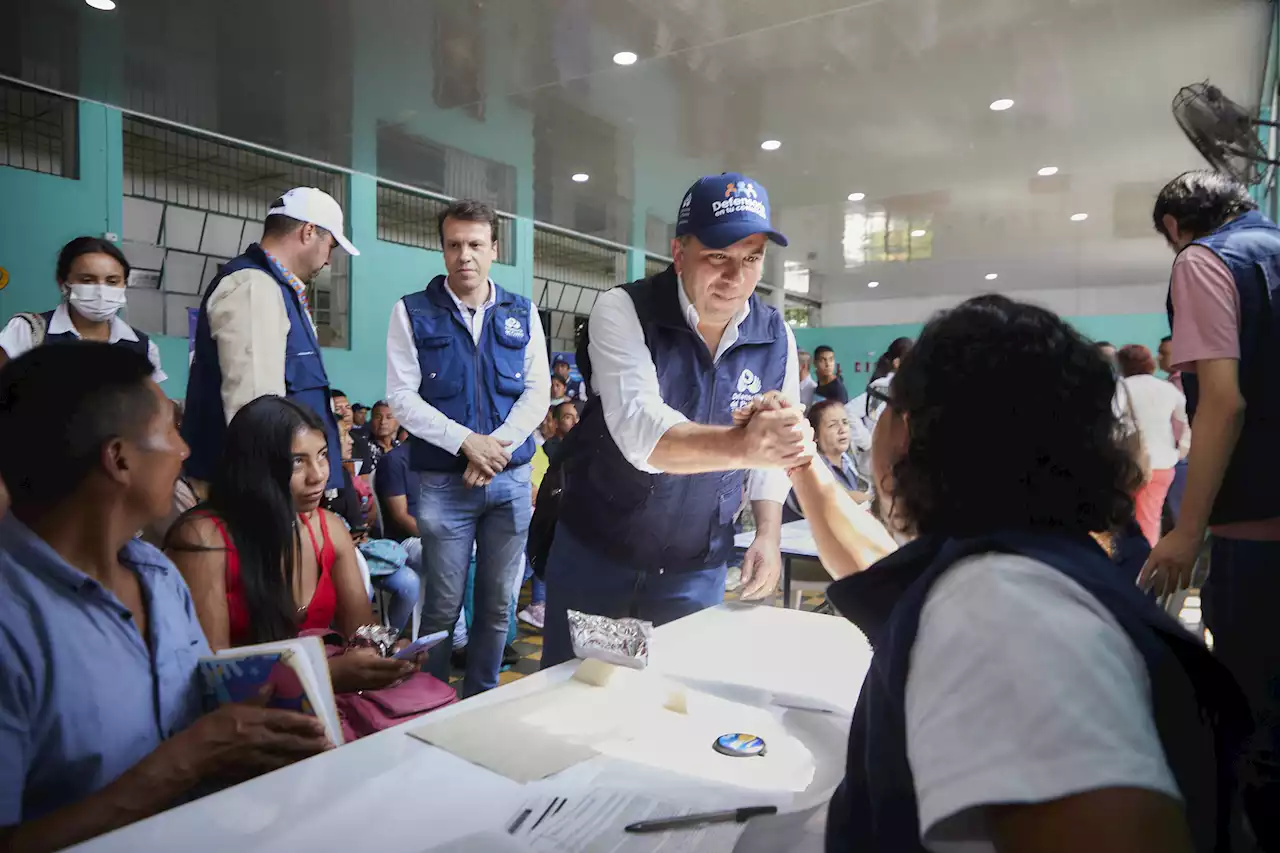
(739, 745)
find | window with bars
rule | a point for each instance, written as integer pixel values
(568, 274)
(192, 203)
(654, 264)
(409, 218)
(38, 131)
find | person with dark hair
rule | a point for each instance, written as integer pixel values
(100, 700)
(1226, 342)
(1023, 691)
(1107, 350)
(255, 334)
(832, 435)
(830, 385)
(1155, 406)
(566, 415)
(93, 278)
(576, 391)
(264, 561)
(383, 427)
(559, 391)
(467, 375)
(865, 409)
(359, 418)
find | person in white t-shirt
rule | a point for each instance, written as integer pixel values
(807, 383)
(1156, 405)
(1018, 675)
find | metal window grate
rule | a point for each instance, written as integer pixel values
(653, 264)
(191, 203)
(658, 234)
(409, 218)
(568, 274)
(38, 131)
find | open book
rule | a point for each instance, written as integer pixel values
(297, 669)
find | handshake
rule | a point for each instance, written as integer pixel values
(775, 433)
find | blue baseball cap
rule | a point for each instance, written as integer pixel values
(722, 209)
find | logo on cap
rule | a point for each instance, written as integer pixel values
(744, 189)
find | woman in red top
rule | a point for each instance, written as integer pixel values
(263, 560)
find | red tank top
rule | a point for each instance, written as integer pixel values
(319, 612)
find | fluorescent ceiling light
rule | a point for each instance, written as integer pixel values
(919, 232)
(771, 145)
(1002, 104)
(581, 177)
(873, 284)
(104, 5)
(1079, 217)
(991, 276)
(857, 196)
(625, 57)
(1046, 171)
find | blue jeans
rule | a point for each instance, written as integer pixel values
(1173, 500)
(414, 548)
(538, 592)
(403, 585)
(578, 578)
(451, 519)
(1239, 608)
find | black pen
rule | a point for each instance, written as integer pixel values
(691, 821)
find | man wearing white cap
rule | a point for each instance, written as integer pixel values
(255, 334)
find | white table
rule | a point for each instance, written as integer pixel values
(796, 541)
(395, 794)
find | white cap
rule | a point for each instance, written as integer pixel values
(308, 204)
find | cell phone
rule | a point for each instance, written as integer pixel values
(359, 531)
(421, 644)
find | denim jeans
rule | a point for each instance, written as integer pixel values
(414, 547)
(578, 578)
(538, 592)
(1239, 608)
(451, 519)
(403, 585)
(1176, 489)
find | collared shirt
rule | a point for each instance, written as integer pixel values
(807, 386)
(420, 418)
(625, 379)
(82, 699)
(294, 282)
(250, 326)
(16, 337)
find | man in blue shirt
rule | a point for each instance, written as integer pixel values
(99, 641)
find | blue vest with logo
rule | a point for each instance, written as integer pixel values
(1200, 715)
(140, 346)
(473, 385)
(674, 522)
(1250, 247)
(204, 423)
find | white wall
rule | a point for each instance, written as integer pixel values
(1069, 302)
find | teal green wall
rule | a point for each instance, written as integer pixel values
(858, 347)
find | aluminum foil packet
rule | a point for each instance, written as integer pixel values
(377, 637)
(624, 642)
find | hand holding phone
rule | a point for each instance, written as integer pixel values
(422, 644)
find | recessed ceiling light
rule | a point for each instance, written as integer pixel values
(581, 177)
(857, 196)
(104, 5)
(919, 232)
(873, 284)
(625, 57)
(1046, 171)
(1079, 217)
(771, 145)
(991, 276)
(1002, 104)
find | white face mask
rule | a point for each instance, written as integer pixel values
(98, 302)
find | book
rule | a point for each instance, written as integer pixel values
(297, 669)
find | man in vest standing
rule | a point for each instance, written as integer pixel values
(1223, 291)
(467, 376)
(654, 472)
(255, 335)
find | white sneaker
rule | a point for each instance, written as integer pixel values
(534, 614)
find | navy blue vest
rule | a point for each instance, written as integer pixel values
(673, 522)
(1200, 714)
(1250, 247)
(204, 423)
(140, 346)
(475, 386)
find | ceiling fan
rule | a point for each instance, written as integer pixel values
(1224, 132)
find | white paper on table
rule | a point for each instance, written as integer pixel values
(483, 842)
(594, 822)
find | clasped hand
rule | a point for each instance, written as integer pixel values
(777, 434)
(486, 457)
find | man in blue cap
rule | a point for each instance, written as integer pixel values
(656, 469)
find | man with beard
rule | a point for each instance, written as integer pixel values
(255, 334)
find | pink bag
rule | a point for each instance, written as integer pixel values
(368, 711)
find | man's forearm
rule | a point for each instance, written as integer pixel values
(768, 516)
(1216, 431)
(690, 448)
(849, 539)
(148, 788)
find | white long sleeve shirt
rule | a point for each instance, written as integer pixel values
(626, 380)
(404, 378)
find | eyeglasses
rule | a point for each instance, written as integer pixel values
(879, 396)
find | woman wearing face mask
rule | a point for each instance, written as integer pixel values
(93, 275)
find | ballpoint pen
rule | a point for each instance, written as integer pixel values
(691, 821)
